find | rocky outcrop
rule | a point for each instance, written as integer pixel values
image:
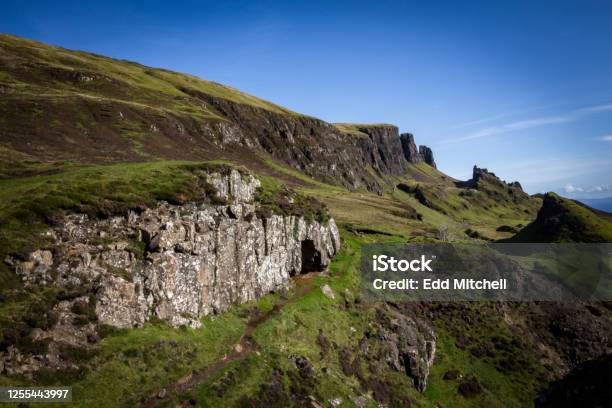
(414, 155)
(404, 341)
(411, 153)
(313, 146)
(181, 262)
(481, 176)
(487, 182)
(563, 220)
(427, 155)
(553, 215)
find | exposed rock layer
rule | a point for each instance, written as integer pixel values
(124, 120)
(427, 155)
(199, 258)
(411, 153)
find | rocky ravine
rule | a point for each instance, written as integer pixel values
(199, 258)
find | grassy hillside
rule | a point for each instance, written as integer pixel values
(565, 220)
(61, 107)
(77, 112)
(56, 72)
(124, 370)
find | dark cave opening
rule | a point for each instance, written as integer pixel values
(311, 257)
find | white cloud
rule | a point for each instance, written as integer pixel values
(509, 127)
(531, 123)
(570, 188)
(605, 138)
(596, 109)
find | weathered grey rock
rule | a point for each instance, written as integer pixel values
(200, 258)
(328, 292)
(38, 264)
(411, 153)
(405, 342)
(427, 154)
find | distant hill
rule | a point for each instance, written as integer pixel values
(564, 220)
(603, 204)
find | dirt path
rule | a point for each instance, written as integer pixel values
(246, 344)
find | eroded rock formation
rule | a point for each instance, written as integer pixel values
(403, 341)
(181, 262)
(409, 148)
(414, 155)
(427, 155)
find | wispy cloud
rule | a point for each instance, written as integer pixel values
(504, 115)
(570, 188)
(532, 123)
(596, 109)
(605, 138)
(483, 120)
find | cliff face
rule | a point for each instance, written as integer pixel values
(414, 155)
(91, 109)
(313, 146)
(180, 262)
(427, 155)
(409, 148)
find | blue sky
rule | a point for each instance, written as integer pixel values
(523, 88)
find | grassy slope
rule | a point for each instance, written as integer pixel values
(137, 362)
(61, 107)
(160, 86)
(122, 365)
(578, 224)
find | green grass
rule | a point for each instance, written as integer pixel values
(169, 88)
(132, 364)
(28, 203)
(356, 129)
(576, 224)
(500, 389)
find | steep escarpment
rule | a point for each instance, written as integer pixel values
(313, 146)
(66, 106)
(414, 155)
